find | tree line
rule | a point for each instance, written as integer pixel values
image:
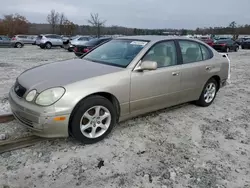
(58, 23)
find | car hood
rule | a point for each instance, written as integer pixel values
(63, 73)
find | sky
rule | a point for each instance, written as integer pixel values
(161, 14)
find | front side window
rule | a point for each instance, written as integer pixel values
(190, 51)
(116, 52)
(163, 53)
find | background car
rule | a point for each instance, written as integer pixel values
(210, 42)
(5, 41)
(241, 40)
(245, 44)
(49, 40)
(65, 38)
(82, 49)
(77, 41)
(24, 39)
(226, 45)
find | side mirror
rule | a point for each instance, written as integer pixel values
(147, 65)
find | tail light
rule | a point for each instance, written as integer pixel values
(85, 50)
(75, 49)
(13, 38)
(223, 44)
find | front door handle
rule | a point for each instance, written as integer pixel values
(175, 73)
(208, 68)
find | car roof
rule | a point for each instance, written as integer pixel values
(154, 38)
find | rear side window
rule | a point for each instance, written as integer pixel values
(191, 51)
(206, 54)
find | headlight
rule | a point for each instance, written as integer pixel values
(31, 95)
(50, 96)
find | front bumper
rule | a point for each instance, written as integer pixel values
(36, 119)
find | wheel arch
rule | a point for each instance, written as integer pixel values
(106, 95)
(48, 42)
(217, 79)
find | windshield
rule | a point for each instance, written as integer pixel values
(116, 52)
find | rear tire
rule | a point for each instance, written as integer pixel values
(18, 45)
(48, 45)
(208, 93)
(243, 47)
(84, 125)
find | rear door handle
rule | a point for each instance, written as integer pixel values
(175, 73)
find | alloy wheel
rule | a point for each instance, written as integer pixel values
(210, 92)
(95, 122)
(18, 45)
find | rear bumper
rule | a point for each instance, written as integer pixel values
(223, 83)
(219, 48)
(78, 54)
(40, 123)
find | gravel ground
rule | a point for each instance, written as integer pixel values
(186, 146)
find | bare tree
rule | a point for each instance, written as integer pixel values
(69, 27)
(53, 19)
(14, 24)
(62, 19)
(233, 27)
(96, 22)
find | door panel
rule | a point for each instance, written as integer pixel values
(193, 78)
(197, 68)
(152, 90)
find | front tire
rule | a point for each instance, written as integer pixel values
(93, 119)
(208, 93)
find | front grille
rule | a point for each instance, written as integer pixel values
(19, 90)
(23, 120)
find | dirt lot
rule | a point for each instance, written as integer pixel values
(187, 146)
